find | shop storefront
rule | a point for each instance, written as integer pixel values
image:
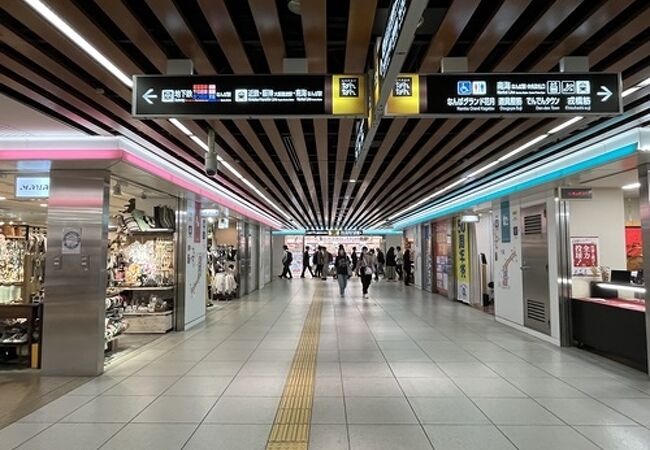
(126, 245)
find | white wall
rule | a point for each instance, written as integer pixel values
(603, 217)
(276, 263)
(508, 297)
(195, 265)
(393, 240)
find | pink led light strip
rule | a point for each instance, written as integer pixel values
(120, 154)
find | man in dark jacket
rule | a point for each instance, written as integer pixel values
(408, 263)
(381, 260)
(306, 264)
(354, 257)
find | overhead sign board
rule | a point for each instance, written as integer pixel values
(567, 193)
(32, 187)
(233, 96)
(499, 95)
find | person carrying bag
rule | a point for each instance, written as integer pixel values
(365, 270)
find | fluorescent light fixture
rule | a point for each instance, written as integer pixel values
(630, 90)
(75, 37)
(470, 218)
(201, 144)
(181, 127)
(352, 180)
(521, 148)
(482, 169)
(3, 198)
(631, 187)
(621, 287)
(564, 125)
(43, 205)
(644, 83)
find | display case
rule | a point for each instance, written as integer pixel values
(142, 273)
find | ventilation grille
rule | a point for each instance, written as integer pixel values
(533, 224)
(536, 310)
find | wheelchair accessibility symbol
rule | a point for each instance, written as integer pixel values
(464, 87)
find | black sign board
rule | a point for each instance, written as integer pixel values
(576, 193)
(195, 96)
(505, 94)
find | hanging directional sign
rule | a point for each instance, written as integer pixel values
(499, 95)
(223, 96)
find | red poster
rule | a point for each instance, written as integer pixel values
(584, 256)
(634, 248)
(197, 223)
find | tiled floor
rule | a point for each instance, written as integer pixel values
(403, 370)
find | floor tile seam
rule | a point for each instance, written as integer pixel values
(452, 381)
(338, 351)
(415, 415)
(281, 312)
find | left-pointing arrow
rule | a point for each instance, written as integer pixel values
(149, 95)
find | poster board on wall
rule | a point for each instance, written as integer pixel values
(463, 265)
(585, 256)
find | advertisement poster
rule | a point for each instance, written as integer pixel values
(584, 256)
(634, 248)
(462, 260)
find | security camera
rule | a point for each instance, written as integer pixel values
(211, 164)
(211, 155)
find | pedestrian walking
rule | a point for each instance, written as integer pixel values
(287, 259)
(408, 266)
(390, 264)
(343, 270)
(381, 260)
(364, 268)
(399, 263)
(354, 257)
(306, 264)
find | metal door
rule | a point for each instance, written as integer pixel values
(535, 269)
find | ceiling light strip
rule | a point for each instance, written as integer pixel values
(79, 40)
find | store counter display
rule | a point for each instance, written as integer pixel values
(611, 325)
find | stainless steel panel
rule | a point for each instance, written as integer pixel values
(74, 310)
(253, 243)
(535, 269)
(563, 233)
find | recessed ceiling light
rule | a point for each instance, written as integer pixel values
(352, 180)
(3, 198)
(631, 187)
(43, 205)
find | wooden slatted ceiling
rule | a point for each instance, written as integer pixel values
(414, 157)
(443, 175)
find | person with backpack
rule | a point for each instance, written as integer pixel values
(287, 259)
(305, 263)
(343, 270)
(365, 270)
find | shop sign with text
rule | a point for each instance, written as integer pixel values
(463, 261)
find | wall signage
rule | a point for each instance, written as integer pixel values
(32, 187)
(576, 194)
(196, 96)
(463, 263)
(507, 94)
(584, 256)
(505, 221)
(71, 241)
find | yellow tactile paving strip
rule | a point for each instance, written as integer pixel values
(293, 419)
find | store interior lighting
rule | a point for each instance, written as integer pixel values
(56, 21)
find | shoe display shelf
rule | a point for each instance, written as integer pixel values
(26, 342)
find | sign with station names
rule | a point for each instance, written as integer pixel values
(501, 95)
(238, 96)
